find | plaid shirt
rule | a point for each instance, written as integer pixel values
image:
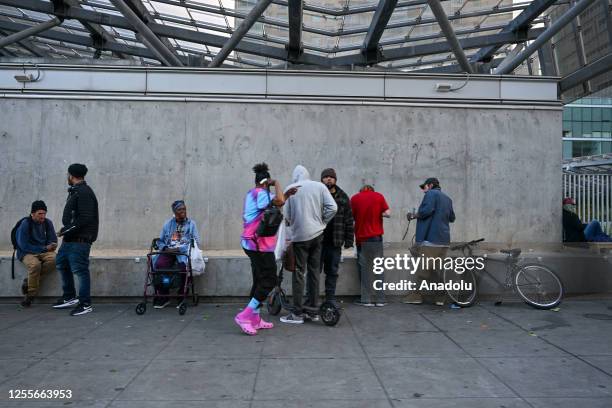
(342, 223)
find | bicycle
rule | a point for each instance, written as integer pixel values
(536, 284)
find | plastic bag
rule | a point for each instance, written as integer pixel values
(280, 242)
(197, 261)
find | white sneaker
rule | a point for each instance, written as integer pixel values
(162, 304)
(292, 318)
(381, 304)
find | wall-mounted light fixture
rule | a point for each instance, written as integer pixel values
(28, 77)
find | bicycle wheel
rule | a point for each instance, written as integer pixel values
(538, 286)
(465, 294)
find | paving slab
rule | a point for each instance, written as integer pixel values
(178, 380)
(438, 378)
(302, 379)
(400, 355)
(551, 376)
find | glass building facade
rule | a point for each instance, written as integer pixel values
(587, 127)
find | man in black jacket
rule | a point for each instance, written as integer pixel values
(339, 232)
(80, 230)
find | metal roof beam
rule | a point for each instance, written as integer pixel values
(141, 11)
(30, 31)
(197, 37)
(99, 34)
(441, 47)
(589, 71)
(449, 33)
(521, 22)
(296, 17)
(240, 32)
(30, 47)
(83, 40)
(157, 46)
(379, 22)
(567, 17)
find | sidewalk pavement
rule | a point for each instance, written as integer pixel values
(509, 356)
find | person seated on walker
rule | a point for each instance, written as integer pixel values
(174, 240)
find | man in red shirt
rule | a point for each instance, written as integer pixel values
(369, 208)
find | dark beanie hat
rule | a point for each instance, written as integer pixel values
(329, 173)
(77, 170)
(38, 205)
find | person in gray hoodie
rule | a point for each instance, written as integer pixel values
(307, 213)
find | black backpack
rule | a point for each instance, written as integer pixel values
(14, 238)
(271, 220)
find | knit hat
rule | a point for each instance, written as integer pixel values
(38, 205)
(569, 200)
(328, 173)
(77, 170)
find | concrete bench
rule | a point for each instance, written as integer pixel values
(121, 273)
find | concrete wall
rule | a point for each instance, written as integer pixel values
(500, 165)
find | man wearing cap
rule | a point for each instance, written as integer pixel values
(175, 238)
(338, 232)
(80, 230)
(432, 235)
(36, 244)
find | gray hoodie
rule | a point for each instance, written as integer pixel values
(310, 209)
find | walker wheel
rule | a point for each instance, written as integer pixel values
(141, 308)
(182, 308)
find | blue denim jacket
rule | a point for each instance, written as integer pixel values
(434, 215)
(190, 231)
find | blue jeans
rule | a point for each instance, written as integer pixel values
(330, 263)
(73, 259)
(366, 252)
(594, 233)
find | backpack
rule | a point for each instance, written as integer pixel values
(271, 220)
(14, 239)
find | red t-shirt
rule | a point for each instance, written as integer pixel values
(368, 207)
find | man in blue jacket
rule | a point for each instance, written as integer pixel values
(36, 244)
(432, 237)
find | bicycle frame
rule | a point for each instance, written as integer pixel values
(512, 266)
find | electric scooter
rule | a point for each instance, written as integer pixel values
(277, 300)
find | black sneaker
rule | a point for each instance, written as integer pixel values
(24, 287)
(27, 302)
(65, 303)
(81, 309)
